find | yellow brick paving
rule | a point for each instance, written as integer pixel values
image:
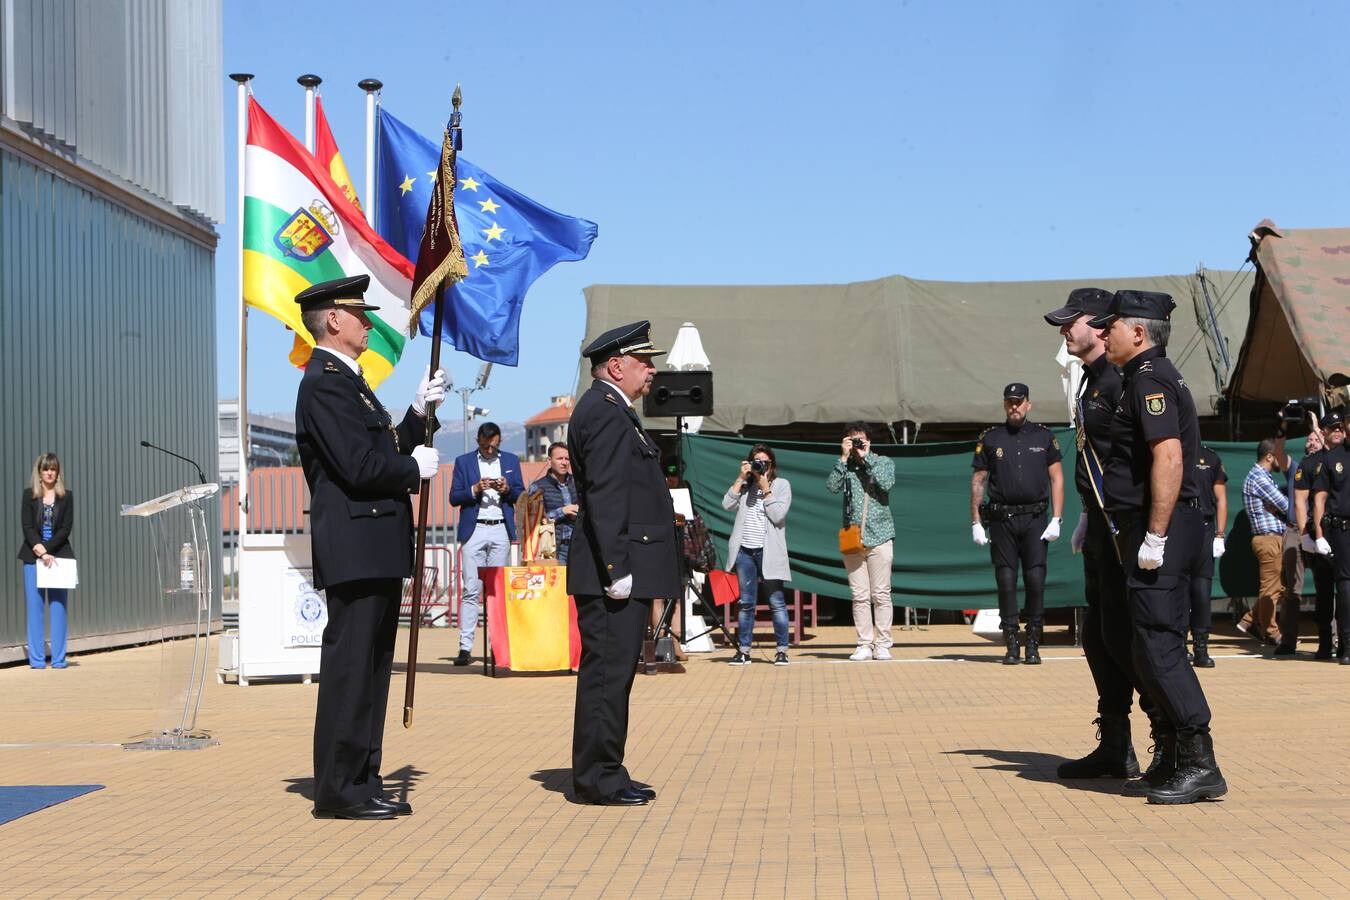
(928, 776)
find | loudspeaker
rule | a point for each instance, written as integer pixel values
(679, 394)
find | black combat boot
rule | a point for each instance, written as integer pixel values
(1323, 642)
(1202, 659)
(1343, 652)
(1197, 776)
(1010, 642)
(1114, 756)
(1161, 767)
(1033, 646)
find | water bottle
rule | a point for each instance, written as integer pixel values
(187, 567)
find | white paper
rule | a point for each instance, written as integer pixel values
(63, 573)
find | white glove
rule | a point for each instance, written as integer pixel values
(430, 390)
(1051, 532)
(1323, 546)
(1151, 551)
(1079, 535)
(1308, 545)
(428, 460)
(620, 589)
(1219, 546)
(977, 534)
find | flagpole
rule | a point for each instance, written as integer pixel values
(311, 84)
(456, 138)
(372, 87)
(242, 79)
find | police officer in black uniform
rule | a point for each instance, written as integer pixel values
(623, 556)
(1154, 497)
(1020, 461)
(1107, 633)
(1331, 531)
(1332, 432)
(360, 467)
(1210, 480)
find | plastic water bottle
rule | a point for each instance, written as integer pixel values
(187, 567)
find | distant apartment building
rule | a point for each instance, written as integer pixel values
(543, 428)
(271, 441)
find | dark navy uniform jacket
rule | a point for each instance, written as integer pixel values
(359, 474)
(626, 523)
(1018, 460)
(1098, 396)
(1209, 471)
(1335, 480)
(1155, 404)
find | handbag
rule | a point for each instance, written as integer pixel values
(850, 536)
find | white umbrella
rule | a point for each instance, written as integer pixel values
(686, 355)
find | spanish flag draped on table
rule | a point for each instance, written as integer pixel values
(531, 620)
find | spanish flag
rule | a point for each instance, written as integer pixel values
(327, 153)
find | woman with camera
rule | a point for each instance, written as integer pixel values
(865, 479)
(757, 550)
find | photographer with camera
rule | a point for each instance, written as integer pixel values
(757, 551)
(867, 539)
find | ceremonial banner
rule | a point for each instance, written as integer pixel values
(508, 240)
(440, 257)
(532, 622)
(300, 229)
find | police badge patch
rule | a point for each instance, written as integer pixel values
(1156, 404)
(998, 451)
(1339, 468)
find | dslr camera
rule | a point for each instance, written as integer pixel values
(857, 443)
(758, 466)
(1297, 409)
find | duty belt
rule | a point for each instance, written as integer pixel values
(1007, 511)
(1193, 503)
(1340, 523)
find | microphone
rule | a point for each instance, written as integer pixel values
(200, 473)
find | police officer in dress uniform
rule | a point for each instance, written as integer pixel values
(1324, 577)
(1154, 497)
(1020, 461)
(360, 468)
(1211, 480)
(1331, 529)
(1107, 633)
(623, 555)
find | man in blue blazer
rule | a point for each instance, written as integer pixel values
(485, 486)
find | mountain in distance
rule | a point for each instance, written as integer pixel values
(449, 437)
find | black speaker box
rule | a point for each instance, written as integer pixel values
(679, 394)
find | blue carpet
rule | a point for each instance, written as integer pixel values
(20, 800)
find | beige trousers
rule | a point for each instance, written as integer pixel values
(869, 578)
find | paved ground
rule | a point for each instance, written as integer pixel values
(931, 775)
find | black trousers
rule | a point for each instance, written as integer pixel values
(611, 641)
(1339, 539)
(354, 668)
(1202, 583)
(1013, 541)
(1108, 633)
(1160, 608)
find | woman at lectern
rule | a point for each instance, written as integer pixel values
(48, 513)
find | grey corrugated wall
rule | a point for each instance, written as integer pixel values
(108, 329)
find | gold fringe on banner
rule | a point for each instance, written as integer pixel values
(440, 259)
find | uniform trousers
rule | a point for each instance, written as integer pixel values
(1339, 539)
(1013, 541)
(1108, 635)
(354, 668)
(611, 641)
(1202, 584)
(1160, 610)
(489, 545)
(1324, 582)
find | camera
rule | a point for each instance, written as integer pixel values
(1297, 409)
(758, 466)
(857, 443)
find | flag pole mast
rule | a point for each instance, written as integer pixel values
(423, 501)
(372, 87)
(242, 79)
(311, 84)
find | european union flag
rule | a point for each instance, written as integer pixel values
(509, 240)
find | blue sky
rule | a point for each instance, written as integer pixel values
(789, 142)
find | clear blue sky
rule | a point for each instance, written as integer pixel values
(790, 142)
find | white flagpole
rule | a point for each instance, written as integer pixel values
(311, 84)
(372, 88)
(241, 490)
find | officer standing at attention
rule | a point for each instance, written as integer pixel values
(1154, 497)
(1211, 481)
(360, 468)
(1107, 635)
(623, 555)
(1020, 461)
(1331, 526)
(1319, 442)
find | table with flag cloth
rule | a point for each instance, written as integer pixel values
(531, 619)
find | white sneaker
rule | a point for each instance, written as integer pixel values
(882, 653)
(861, 654)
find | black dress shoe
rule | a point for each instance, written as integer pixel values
(462, 659)
(625, 797)
(368, 810)
(399, 807)
(644, 791)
